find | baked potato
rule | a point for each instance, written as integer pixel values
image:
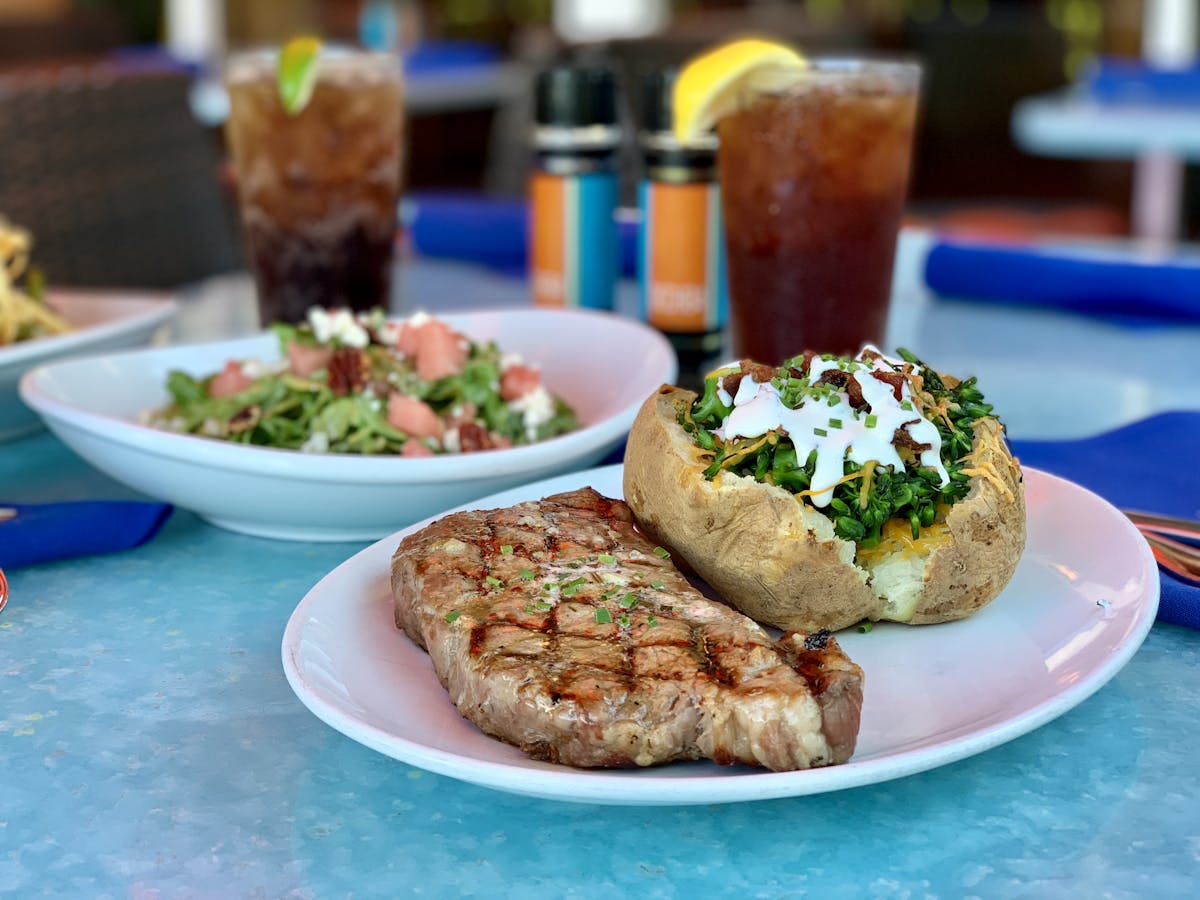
(832, 490)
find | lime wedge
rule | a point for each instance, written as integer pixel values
(298, 73)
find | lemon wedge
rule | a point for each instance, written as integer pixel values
(709, 85)
(297, 73)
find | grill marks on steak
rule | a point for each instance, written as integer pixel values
(555, 626)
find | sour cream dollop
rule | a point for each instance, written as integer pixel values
(827, 423)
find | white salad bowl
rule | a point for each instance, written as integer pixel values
(100, 321)
(603, 365)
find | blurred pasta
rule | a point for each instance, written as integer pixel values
(23, 313)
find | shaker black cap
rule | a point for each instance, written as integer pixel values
(575, 96)
(657, 105)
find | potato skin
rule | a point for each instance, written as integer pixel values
(777, 559)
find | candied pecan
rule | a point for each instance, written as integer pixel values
(472, 436)
(245, 419)
(348, 371)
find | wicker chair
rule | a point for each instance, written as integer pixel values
(104, 163)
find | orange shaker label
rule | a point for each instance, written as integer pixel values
(682, 257)
(547, 241)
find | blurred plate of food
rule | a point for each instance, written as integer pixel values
(39, 326)
(94, 322)
(315, 432)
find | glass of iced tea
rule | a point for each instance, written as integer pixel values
(813, 178)
(318, 189)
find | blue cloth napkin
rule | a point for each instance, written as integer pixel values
(44, 532)
(1120, 81)
(490, 231)
(1148, 465)
(1109, 280)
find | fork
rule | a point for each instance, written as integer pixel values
(1180, 559)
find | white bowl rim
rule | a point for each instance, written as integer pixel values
(342, 468)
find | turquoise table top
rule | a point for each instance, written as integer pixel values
(150, 746)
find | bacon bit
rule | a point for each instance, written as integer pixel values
(730, 383)
(760, 372)
(348, 371)
(901, 438)
(414, 418)
(303, 361)
(414, 449)
(230, 380)
(895, 379)
(517, 381)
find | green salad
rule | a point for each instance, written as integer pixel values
(865, 440)
(361, 384)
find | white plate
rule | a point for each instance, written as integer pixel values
(1081, 602)
(603, 365)
(101, 320)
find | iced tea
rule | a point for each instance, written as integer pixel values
(813, 182)
(318, 190)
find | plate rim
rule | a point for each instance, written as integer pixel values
(147, 309)
(604, 787)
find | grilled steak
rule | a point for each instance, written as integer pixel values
(557, 627)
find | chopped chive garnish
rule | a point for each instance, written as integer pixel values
(864, 627)
(525, 575)
(611, 592)
(603, 616)
(820, 432)
(607, 558)
(835, 423)
(452, 615)
(652, 622)
(543, 605)
(657, 585)
(872, 420)
(906, 405)
(629, 601)
(623, 620)
(661, 552)
(506, 549)
(569, 588)
(494, 581)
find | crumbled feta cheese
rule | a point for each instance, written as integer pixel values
(210, 428)
(340, 324)
(419, 318)
(258, 368)
(508, 360)
(536, 409)
(388, 333)
(450, 440)
(318, 442)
